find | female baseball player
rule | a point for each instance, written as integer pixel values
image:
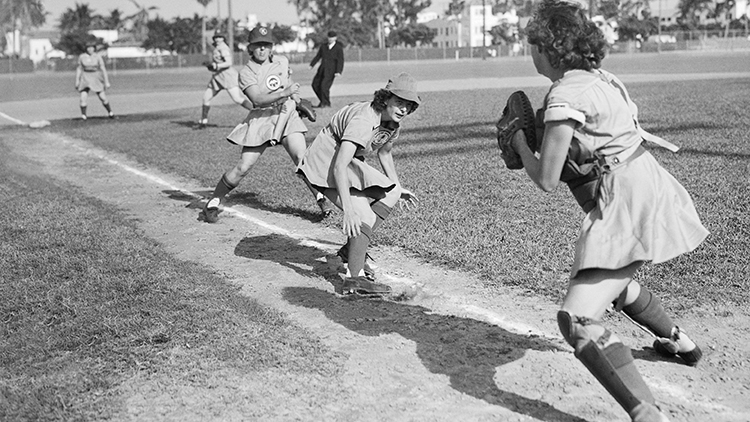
(639, 211)
(91, 75)
(224, 77)
(334, 164)
(266, 81)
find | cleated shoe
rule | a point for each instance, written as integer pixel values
(679, 344)
(647, 412)
(343, 253)
(202, 123)
(211, 210)
(363, 286)
(83, 117)
(325, 206)
(111, 115)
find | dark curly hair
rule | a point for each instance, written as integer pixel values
(381, 97)
(564, 33)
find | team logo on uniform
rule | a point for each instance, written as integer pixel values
(380, 137)
(263, 31)
(273, 82)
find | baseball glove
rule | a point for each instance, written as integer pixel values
(305, 109)
(210, 65)
(517, 115)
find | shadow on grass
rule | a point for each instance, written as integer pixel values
(307, 261)
(465, 350)
(242, 198)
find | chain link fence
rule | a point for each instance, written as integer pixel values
(668, 41)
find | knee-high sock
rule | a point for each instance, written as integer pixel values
(358, 250)
(204, 112)
(83, 110)
(647, 311)
(223, 187)
(381, 211)
(107, 107)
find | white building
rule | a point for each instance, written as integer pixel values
(468, 29)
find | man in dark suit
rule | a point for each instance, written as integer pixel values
(331, 57)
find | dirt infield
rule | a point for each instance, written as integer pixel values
(454, 352)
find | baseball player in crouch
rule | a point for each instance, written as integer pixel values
(266, 81)
(635, 210)
(335, 164)
(224, 76)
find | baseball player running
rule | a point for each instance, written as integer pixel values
(266, 81)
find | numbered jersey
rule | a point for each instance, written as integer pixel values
(270, 76)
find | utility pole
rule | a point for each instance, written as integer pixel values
(230, 26)
(484, 31)
(658, 40)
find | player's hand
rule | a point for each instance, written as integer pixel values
(351, 224)
(107, 85)
(408, 199)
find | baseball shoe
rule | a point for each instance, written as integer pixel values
(83, 117)
(111, 114)
(647, 412)
(679, 344)
(343, 253)
(325, 206)
(211, 210)
(202, 123)
(363, 286)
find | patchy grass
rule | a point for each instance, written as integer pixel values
(477, 215)
(87, 302)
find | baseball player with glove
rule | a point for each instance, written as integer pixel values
(223, 77)
(266, 81)
(635, 210)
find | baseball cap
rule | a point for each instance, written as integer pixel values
(260, 34)
(404, 86)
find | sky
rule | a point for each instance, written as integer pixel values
(270, 11)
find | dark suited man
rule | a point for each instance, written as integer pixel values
(331, 57)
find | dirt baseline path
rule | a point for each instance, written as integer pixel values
(454, 352)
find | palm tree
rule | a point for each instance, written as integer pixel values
(78, 19)
(20, 15)
(203, 3)
(140, 20)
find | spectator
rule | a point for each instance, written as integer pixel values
(331, 58)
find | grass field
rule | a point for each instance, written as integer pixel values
(475, 214)
(87, 301)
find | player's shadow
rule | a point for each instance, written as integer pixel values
(307, 261)
(466, 350)
(196, 126)
(244, 198)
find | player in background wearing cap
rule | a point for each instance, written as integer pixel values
(224, 77)
(331, 57)
(334, 164)
(91, 75)
(266, 81)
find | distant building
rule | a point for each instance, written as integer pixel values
(468, 28)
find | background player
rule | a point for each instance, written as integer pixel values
(335, 165)
(639, 211)
(266, 81)
(91, 75)
(224, 77)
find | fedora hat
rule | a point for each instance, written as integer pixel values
(260, 34)
(404, 86)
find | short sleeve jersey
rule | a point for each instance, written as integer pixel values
(603, 116)
(270, 76)
(360, 123)
(89, 62)
(222, 54)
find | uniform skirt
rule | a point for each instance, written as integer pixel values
(227, 78)
(317, 167)
(93, 81)
(259, 125)
(643, 214)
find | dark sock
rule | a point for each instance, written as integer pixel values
(381, 211)
(647, 311)
(358, 250)
(204, 112)
(106, 105)
(223, 187)
(83, 110)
